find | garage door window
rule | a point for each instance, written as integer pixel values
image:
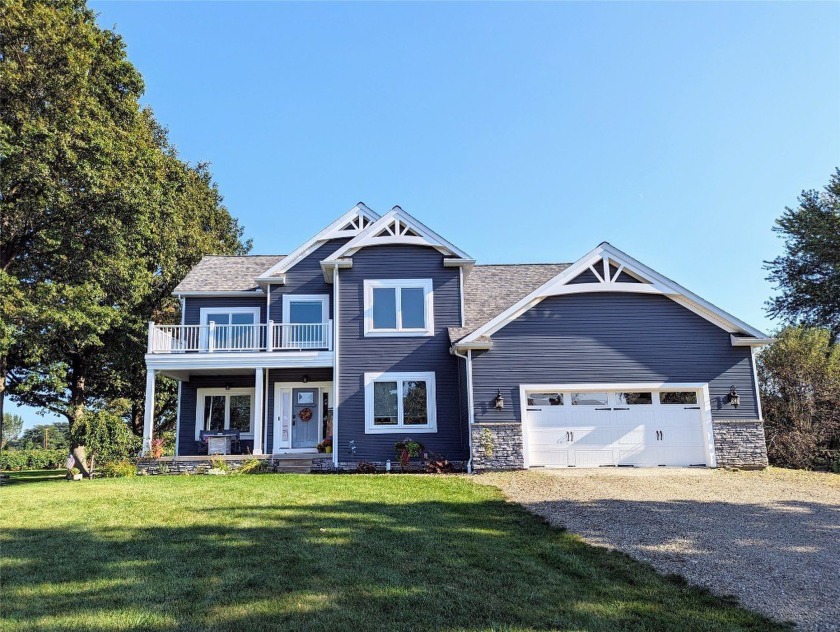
(589, 399)
(545, 399)
(635, 399)
(678, 397)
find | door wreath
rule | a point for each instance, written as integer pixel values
(305, 414)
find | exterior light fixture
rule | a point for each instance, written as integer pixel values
(305, 379)
(227, 386)
(734, 398)
(500, 401)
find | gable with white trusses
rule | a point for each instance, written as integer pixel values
(608, 269)
(348, 226)
(397, 227)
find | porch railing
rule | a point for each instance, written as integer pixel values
(215, 338)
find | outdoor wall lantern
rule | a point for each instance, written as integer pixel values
(500, 401)
(734, 398)
(305, 379)
(227, 386)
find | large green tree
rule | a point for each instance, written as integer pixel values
(800, 395)
(99, 217)
(807, 275)
(12, 427)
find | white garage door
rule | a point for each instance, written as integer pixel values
(600, 428)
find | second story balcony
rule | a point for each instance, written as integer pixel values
(214, 338)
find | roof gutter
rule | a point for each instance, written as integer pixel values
(476, 345)
(742, 341)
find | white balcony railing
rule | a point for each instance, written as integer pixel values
(239, 338)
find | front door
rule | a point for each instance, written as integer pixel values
(305, 417)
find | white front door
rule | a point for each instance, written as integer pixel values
(641, 427)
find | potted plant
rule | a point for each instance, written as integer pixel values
(325, 445)
(407, 449)
(74, 474)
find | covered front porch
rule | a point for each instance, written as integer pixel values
(240, 411)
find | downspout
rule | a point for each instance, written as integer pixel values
(468, 359)
(336, 374)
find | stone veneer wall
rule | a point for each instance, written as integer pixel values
(740, 443)
(416, 465)
(497, 447)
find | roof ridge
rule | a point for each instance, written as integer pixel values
(242, 256)
(542, 263)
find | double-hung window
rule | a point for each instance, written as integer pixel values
(225, 409)
(399, 307)
(230, 328)
(400, 402)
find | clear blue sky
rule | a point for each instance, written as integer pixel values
(521, 132)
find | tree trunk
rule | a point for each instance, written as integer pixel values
(77, 411)
(2, 392)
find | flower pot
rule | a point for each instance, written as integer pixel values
(328, 449)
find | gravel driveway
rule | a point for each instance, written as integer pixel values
(771, 538)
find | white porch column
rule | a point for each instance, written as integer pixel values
(259, 397)
(149, 412)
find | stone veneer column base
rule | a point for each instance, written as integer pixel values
(740, 443)
(497, 446)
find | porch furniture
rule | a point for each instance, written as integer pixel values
(220, 441)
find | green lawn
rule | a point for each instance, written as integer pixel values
(307, 552)
(33, 476)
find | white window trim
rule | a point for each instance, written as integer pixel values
(206, 311)
(431, 403)
(201, 393)
(428, 301)
(324, 299)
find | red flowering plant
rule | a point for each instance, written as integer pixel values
(408, 449)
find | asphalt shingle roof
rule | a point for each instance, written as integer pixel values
(491, 289)
(221, 273)
(488, 289)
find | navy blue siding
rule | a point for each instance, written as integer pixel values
(193, 305)
(430, 353)
(611, 337)
(587, 276)
(290, 375)
(305, 278)
(186, 435)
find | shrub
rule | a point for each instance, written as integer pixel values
(408, 449)
(252, 466)
(118, 469)
(219, 464)
(363, 467)
(32, 459)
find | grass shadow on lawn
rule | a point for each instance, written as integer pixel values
(32, 476)
(398, 557)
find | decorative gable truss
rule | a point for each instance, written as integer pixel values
(396, 227)
(608, 269)
(351, 224)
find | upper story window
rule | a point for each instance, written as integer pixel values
(399, 307)
(230, 328)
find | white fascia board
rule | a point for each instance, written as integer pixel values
(659, 283)
(240, 293)
(427, 237)
(479, 345)
(741, 341)
(332, 231)
(221, 360)
(327, 268)
(449, 262)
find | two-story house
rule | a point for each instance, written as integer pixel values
(378, 328)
